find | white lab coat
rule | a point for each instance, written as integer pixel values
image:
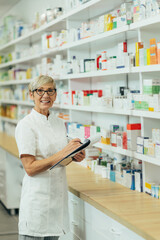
(44, 203)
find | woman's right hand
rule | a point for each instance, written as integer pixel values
(71, 146)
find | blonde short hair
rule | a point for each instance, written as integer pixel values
(39, 81)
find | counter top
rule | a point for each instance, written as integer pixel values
(9, 144)
(137, 211)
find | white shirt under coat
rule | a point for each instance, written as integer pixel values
(44, 202)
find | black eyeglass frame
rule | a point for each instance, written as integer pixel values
(47, 91)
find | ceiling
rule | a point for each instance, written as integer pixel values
(6, 5)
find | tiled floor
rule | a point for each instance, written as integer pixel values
(8, 225)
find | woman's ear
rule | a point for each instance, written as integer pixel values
(31, 95)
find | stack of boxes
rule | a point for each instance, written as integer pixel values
(150, 147)
(151, 86)
(150, 56)
(133, 131)
(141, 141)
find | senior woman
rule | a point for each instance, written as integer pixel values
(42, 142)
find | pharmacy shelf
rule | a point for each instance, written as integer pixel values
(22, 60)
(114, 149)
(17, 102)
(146, 114)
(93, 109)
(94, 9)
(148, 68)
(95, 38)
(5, 119)
(100, 73)
(24, 81)
(15, 82)
(71, 76)
(72, 13)
(36, 32)
(148, 159)
(51, 51)
(98, 109)
(15, 121)
(57, 24)
(137, 113)
(146, 23)
(128, 153)
(76, 13)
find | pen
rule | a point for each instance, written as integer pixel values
(70, 138)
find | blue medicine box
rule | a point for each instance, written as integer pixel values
(112, 176)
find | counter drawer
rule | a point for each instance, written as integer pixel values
(85, 231)
(107, 225)
(84, 216)
(76, 207)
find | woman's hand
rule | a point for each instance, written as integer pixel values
(79, 156)
(71, 146)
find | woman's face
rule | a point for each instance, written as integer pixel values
(44, 102)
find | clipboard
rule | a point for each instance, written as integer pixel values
(83, 146)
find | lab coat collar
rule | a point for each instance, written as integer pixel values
(41, 116)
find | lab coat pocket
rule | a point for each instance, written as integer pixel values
(38, 217)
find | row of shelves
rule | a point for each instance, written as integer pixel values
(142, 69)
(55, 23)
(74, 13)
(104, 147)
(136, 113)
(129, 153)
(78, 43)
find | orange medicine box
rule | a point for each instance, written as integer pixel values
(139, 45)
(153, 51)
(158, 52)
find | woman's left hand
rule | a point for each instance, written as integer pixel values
(79, 156)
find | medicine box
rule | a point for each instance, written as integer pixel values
(151, 148)
(138, 182)
(140, 149)
(119, 177)
(133, 131)
(112, 176)
(140, 140)
(157, 151)
(148, 187)
(146, 144)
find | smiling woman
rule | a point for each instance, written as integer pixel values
(43, 93)
(42, 142)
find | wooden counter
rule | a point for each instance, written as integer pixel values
(137, 211)
(8, 143)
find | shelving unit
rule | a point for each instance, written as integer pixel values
(129, 153)
(88, 47)
(56, 23)
(14, 82)
(15, 121)
(16, 102)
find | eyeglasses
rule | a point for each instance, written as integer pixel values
(41, 92)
